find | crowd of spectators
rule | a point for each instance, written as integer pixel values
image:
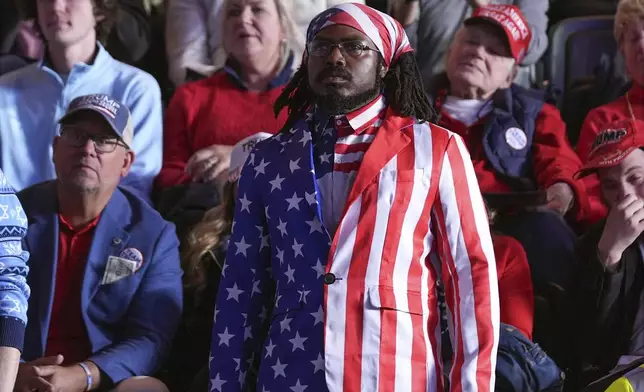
(113, 250)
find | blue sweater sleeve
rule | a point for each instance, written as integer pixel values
(144, 102)
(14, 291)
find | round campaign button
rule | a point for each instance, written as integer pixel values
(329, 278)
(516, 138)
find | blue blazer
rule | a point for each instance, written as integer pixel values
(130, 322)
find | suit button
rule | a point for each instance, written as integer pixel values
(329, 278)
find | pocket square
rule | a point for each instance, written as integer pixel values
(118, 268)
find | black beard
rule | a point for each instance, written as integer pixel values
(334, 103)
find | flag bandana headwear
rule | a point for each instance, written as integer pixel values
(385, 32)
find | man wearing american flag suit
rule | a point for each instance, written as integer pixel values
(350, 215)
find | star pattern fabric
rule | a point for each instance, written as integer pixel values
(333, 299)
(272, 245)
(271, 232)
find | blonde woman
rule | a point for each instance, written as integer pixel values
(194, 35)
(202, 262)
(629, 34)
(206, 118)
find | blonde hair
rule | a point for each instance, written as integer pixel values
(628, 11)
(204, 238)
(293, 37)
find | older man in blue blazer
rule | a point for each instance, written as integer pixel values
(105, 273)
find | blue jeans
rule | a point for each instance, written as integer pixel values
(522, 366)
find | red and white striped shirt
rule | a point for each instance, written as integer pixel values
(339, 143)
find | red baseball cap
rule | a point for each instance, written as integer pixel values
(612, 144)
(513, 23)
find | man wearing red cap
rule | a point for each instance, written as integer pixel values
(432, 25)
(609, 285)
(351, 214)
(517, 141)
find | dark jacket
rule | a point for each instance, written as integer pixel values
(9, 23)
(514, 108)
(191, 346)
(130, 37)
(605, 306)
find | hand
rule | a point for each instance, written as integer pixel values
(560, 198)
(68, 379)
(33, 375)
(479, 3)
(29, 40)
(207, 164)
(9, 362)
(625, 222)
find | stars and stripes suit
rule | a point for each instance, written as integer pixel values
(355, 308)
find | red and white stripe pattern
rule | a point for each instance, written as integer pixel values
(382, 329)
(355, 134)
(385, 32)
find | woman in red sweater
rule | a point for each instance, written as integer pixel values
(206, 118)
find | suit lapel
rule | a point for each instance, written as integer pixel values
(389, 141)
(42, 242)
(110, 238)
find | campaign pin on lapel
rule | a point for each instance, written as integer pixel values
(132, 254)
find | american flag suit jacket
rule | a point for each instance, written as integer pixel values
(358, 312)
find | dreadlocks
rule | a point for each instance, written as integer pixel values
(296, 96)
(403, 91)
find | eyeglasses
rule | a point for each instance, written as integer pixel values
(324, 48)
(102, 143)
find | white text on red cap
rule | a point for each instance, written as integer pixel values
(514, 23)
